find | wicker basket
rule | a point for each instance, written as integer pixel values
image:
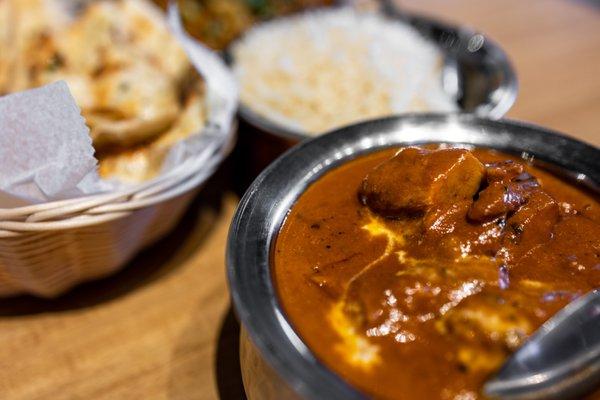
(48, 248)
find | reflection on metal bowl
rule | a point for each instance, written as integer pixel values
(275, 362)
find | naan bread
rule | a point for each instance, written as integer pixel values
(121, 63)
(145, 162)
(131, 105)
(131, 79)
(29, 26)
(6, 34)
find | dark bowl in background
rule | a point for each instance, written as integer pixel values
(476, 72)
(275, 362)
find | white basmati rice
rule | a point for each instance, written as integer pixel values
(324, 69)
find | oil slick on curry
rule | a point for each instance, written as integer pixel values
(415, 272)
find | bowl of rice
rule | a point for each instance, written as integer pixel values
(303, 75)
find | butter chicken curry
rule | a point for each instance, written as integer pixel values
(414, 273)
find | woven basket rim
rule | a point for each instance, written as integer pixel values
(94, 209)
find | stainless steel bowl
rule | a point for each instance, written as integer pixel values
(477, 72)
(275, 362)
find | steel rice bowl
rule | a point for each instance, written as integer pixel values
(476, 70)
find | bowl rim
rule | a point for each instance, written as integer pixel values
(265, 205)
(505, 95)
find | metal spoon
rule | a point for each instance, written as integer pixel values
(560, 361)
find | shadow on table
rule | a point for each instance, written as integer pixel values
(188, 379)
(227, 359)
(153, 263)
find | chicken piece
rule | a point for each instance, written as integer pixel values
(574, 249)
(444, 220)
(416, 179)
(508, 188)
(503, 170)
(403, 292)
(488, 328)
(531, 225)
(488, 318)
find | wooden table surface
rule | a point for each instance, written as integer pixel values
(163, 328)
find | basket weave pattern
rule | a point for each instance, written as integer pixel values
(48, 248)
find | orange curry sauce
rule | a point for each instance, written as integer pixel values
(414, 277)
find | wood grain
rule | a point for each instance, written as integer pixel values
(554, 46)
(163, 329)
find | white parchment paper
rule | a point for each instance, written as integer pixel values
(46, 152)
(45, 147)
